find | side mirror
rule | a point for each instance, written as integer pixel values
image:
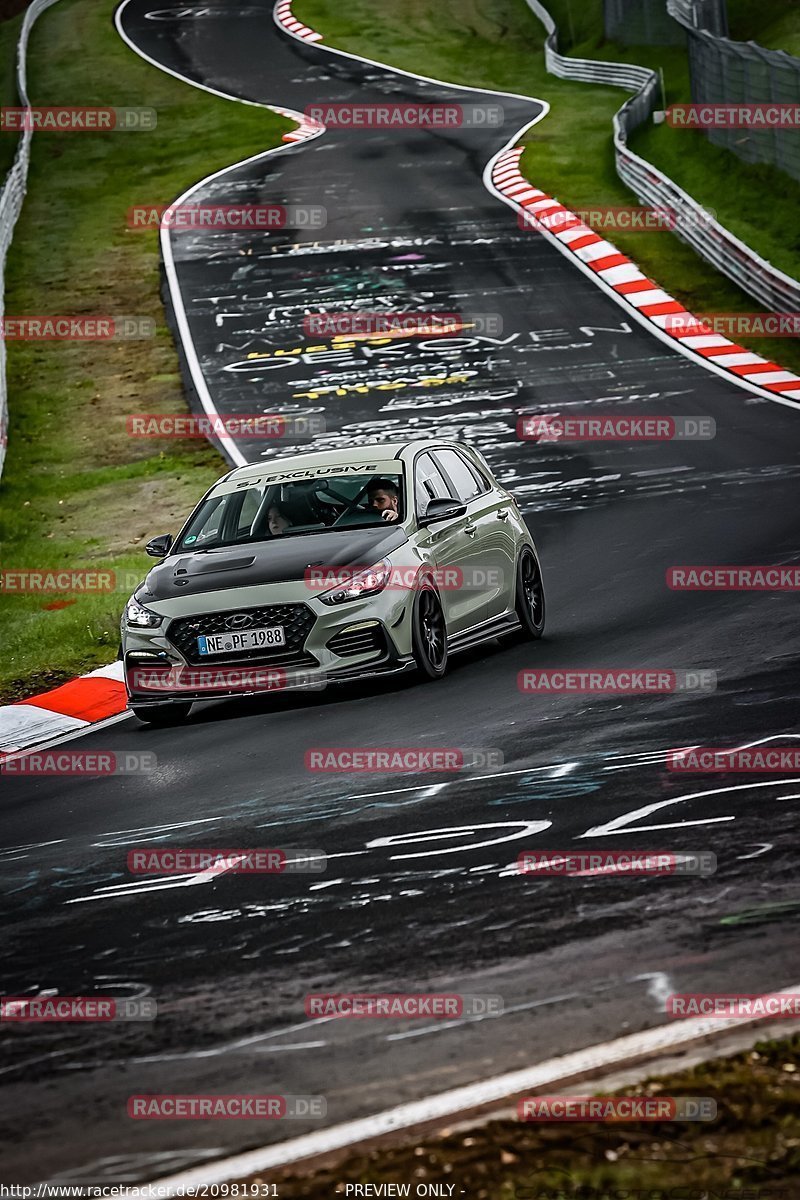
(159, 547)
(442, 509)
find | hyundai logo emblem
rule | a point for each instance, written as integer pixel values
(239, 621)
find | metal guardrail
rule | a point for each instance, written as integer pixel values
(711, 15)
(11, 197)
(772, 288)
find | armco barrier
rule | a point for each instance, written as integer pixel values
(11, 197)
(775, 290)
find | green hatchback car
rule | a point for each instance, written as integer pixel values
(326, 567)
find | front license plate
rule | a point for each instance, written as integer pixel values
(249, 639)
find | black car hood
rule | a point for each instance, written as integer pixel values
(276, 560)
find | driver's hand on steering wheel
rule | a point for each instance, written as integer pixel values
(390, 515)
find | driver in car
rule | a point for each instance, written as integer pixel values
(383, 498)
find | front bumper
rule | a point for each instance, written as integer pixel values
(339, 644)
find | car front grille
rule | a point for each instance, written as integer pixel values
(297, 620)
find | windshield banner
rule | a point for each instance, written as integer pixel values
(269, 477)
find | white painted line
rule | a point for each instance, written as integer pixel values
(653, 296)
(542, 205)
(702, 340)
(775, 376)
(622, 824)
(567, 236)
(626, 273)
(735, 359)
(596, 250)
(637, 1047)
(22, 726)
(61, 738)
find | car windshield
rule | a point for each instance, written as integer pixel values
(305, 506)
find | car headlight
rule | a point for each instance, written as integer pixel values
(141, 618)
(364, 583)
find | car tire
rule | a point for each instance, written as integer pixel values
(429, 633)
(162, 714)
(530, 602)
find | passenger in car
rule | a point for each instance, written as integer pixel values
(278, 521)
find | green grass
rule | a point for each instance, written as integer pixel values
(771, 23)
(751, 1148)
(76, 491)
(499, 44)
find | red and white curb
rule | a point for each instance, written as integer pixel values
(648, 302)
(306, 126)
(285, 17)
(68, 709)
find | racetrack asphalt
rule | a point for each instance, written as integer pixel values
(420, 892)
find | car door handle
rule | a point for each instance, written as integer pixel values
(502, 514)
(471, 529)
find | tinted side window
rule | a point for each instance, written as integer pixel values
(429, 483)
(466, 481)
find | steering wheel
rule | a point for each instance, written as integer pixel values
(354, 505)
(350, 506)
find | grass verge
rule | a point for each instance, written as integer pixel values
(499, 44)
(751, 1150)
(76, 492)
(772, 23)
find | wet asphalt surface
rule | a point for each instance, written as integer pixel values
(420, 893)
